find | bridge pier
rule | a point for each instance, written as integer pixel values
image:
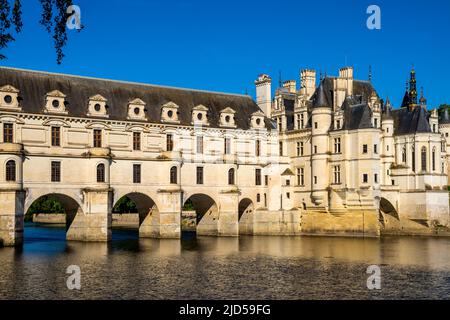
(93, 221)
(228, 223)
(164, 220)
(11, 217)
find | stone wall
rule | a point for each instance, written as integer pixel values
(353, 223)
(263, 222)
(49, 218)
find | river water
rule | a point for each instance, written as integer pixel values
(224, 268)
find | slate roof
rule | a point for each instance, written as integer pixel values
(35, 85)
(410, 121)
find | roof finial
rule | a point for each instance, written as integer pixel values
(280, 82)
(370, 73)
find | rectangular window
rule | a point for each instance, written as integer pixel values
(136, 173)
(288, 182)
(315, 179)
(288, 195)
(315, 149)
(375, 177)
(376, 123)
(136, 141)
(316, 125)
(337, 145)
(97, 138)
(337, 174)
(258, 177)
(375, 148)
(266, 180)
(365, 149)
(433, 160)
(265, 200)
(56, 171)
(302, 121)
(299, 149)
(200, 145)
(199, 175)
(56, 136)
(169, 142)
(227, 146)
(338, 124)
(8, 133)
(258, 148)
(258, 197)
(300, 176)
(280, 145)
(365, 178)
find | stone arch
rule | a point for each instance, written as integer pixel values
(246, 215)
(148, 213)
(207, 212)
(71, 206)
(386, 207)
(245, 207)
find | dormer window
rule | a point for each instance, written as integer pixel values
(97, 106)
(227, 118)
(9, 98)
(55, 102)
(257, 120)
(169, 113)
(136, 110)
(200, 115)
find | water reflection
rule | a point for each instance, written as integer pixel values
(224, 268)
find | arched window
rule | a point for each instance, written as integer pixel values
(413, 159)
(11, 170)
(173, 175)
(423, 155)
(101, 173)
(231, 177)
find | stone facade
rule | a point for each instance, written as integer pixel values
(354, 156)
(89, 142)
(323, 159)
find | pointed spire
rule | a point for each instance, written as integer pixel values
(387, 109)
(280, 81)
(370, 73)
(321, 98)
(412, 88)
(423, 100)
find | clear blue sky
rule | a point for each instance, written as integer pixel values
(224, 45)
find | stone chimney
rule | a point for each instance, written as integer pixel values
(307, 82)
(345, 81)
(290, 85)
(264, 94)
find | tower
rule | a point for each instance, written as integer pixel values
(321, 123)
(264, 94)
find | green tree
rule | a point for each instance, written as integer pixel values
(53, 17)
(46, 205)
(125, 205)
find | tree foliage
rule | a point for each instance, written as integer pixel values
(53, 17)
(125, 205)
(46, 205)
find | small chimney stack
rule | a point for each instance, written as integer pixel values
(264, 94)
